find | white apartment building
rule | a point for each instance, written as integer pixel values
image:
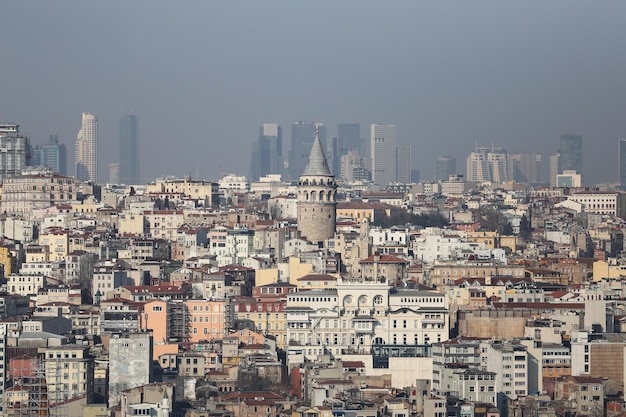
(164, 224)
(25, 284)
(612, 203)
(509, 360)
(358, 315)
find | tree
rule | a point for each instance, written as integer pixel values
(525, 230)
(85, 276)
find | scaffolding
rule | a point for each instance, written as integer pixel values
(178, 325)
(28, 396)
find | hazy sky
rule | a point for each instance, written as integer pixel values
(202, 76)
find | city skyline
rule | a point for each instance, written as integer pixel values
(474, 78)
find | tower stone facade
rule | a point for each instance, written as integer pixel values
(317, 191)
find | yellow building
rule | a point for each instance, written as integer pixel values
(58, 243)
(262, 315)
(37, 253)
(73, 367)
(132, 223)
(493, 240)
(609, 269)
(266, 276)
(7, 260)
(86, 207)
(360, 211)
(317, 282)
(298, 269)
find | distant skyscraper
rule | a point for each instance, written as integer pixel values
(554, 168)
(621, 144)
(348, 140)
(571, 151)
(383, 150)
(415, 176)
(446, 165)
(87, 149)
(114, 173)
(129, 150)
(403, 164)
(349, 137)
(52, 155)
(302, 137)
(525, 167)
(267, 153)
(488, 164)
(14, 148)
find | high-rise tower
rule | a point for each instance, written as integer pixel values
(14, 150)
(383, 151)
(445, 166)
(571, 153)
(267, 153)
(129, 150)
(53, 155)
(86, 151)
(316, 196)
(621, 145)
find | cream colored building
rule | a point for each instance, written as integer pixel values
(201, 190)
(24, 193)
(69, 372)
(132, 223)
(25, 284)
(58, 243)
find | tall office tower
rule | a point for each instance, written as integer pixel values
(445, 166)
(14, 150)
(478, 166)
(114, 173)
(354, 167)
(349, 137)
(415, 176)
(348, 140)
(316, 204)
(86, 151)
(571, 151)
(499, 166)
(302, 137)
(129, 150)
(383, 150)
(525, 167)
(52, 155)
(403, 164)
(268, 158)
(488, 164)
(335, 159)
(554, 168)
(621, 167)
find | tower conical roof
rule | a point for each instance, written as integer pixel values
(317, 164)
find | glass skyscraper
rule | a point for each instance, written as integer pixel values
(571, 153)
(129, 150)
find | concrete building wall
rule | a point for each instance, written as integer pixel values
(130, 355)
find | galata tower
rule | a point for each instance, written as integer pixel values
(317, 191)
